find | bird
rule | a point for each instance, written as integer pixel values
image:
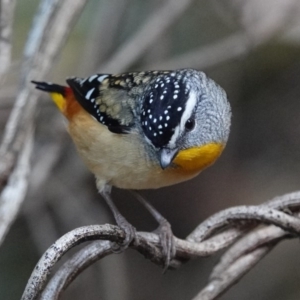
(144, 130)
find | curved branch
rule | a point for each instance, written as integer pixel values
(223, 218)
(216, 287)
(99, 249)
(74, 266)
(60, 247)
(247, 244)
(240, 258)
(234, 264)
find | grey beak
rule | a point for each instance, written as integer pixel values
(167, 156)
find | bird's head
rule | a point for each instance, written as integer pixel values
(186, 117)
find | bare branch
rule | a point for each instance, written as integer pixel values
(240, 258)
(54, 19)
(235, 263)
(15, 189)
(154, 27)
(69, 270)
(266, 212)
(97, 250)
(287, 201)
(247, 244)
(7, 8)
(50, 29)
(263, 214)
(216, 287)
(73, 238)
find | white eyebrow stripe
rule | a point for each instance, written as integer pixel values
(189, 107)
(188, 110)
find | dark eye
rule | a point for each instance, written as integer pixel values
(190, 124)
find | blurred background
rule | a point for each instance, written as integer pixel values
(252, 49)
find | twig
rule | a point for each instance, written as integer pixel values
(7, 8)
(16, 121)
(240, 258)
(221, 219)
(287, 201)
(216, 287)
(15, 189)
(153, 28)
(247, 244)
(253, 213)
(50, 29)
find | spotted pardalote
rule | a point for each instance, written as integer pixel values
(144, 130)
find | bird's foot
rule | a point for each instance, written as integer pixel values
(167, 242)
(130, 234)
(129, 230)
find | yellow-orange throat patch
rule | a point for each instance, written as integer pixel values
(198, 158)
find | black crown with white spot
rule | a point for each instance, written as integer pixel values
(163, 106)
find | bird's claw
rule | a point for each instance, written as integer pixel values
(130, 235)
(167, 242)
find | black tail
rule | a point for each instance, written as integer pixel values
(49, 87)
